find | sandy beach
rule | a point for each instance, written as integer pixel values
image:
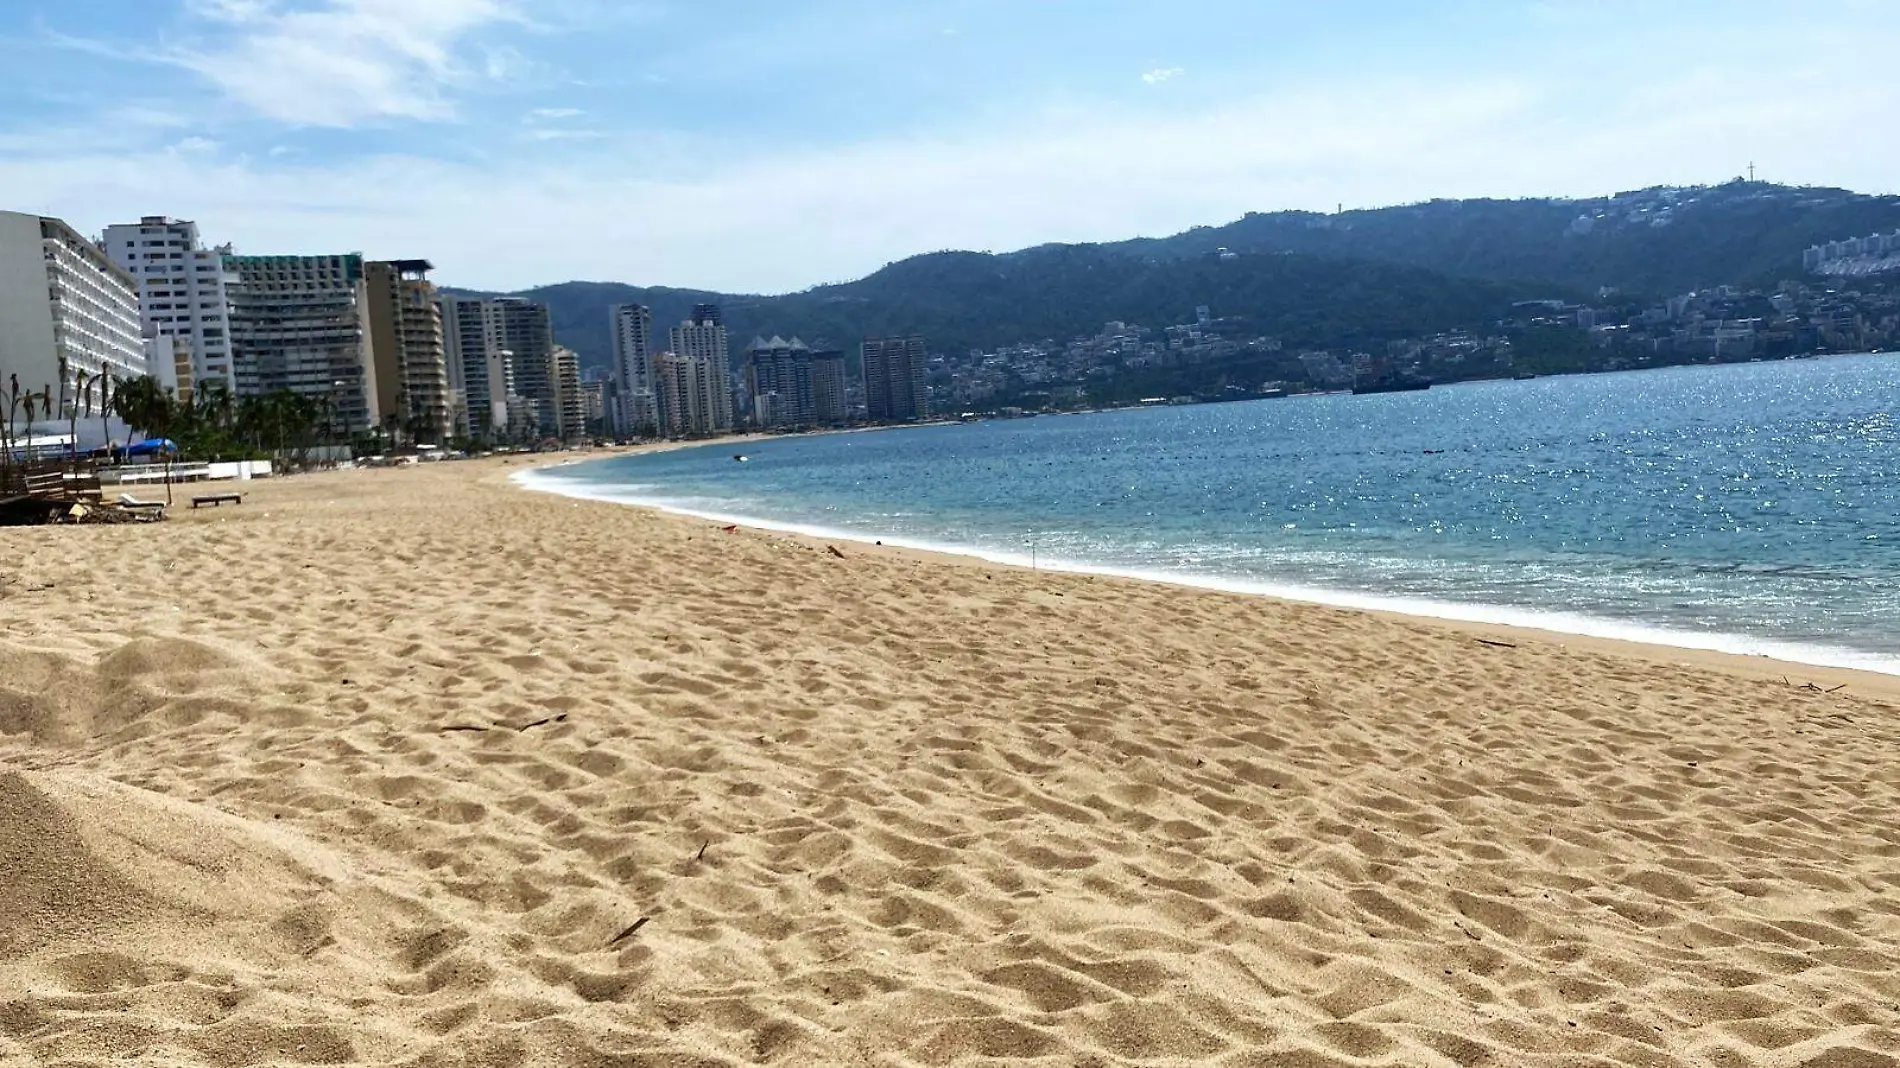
(415, 767)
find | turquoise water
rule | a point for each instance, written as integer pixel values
(1748, 508)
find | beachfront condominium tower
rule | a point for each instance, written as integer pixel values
(694, 395)
(828, 407)
(65, 307)
(778, 377)
(632, 328)
(894, 387)
(702, 338)
(480, 375)
(594, 398)
(181, 291)
(408, 362)
(571, 404)
(502, 356)
(297, 324)
(527, 335)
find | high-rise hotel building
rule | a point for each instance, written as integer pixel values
(693, 383)
(778, 376)
(570, 401)
(481, 371)
(828, 406)
(690, 391)
(65, 307)
(895, 389)
(408, 363)
(792, 386)
(528, 337)
(181, 287)
(297, 324)
(516, 381)
(364, 338)
(636, 412)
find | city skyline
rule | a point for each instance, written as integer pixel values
(613, 142)
(372, 348)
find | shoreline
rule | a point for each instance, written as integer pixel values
(1654, 644)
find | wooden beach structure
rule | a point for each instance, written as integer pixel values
(34, 492)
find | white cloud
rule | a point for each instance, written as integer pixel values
(348, 60)
(504, 63)
(679, 208)
(553, 113)
(1161, 74)
(235, 11)
(611, 210)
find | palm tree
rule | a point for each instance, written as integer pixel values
(146, 405)
(80, 381)
(107, 399)
(216, 407)
(28, 403)
(6, 431)
(206, 422)
(47, 411)
(36, 406)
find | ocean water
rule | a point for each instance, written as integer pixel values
(1749, 508)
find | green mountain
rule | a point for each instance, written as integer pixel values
(1652, 242)
(965, 300)
(1322, 281)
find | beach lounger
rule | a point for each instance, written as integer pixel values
(145, 509)
(216, 499)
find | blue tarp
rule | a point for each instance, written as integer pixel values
(153, 446)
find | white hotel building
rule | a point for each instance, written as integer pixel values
(693, 383)
(64, 305)
(181, 291)
(300, 324)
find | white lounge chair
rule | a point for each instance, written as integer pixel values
(145, 509)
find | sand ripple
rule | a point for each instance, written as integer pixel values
(413, 768)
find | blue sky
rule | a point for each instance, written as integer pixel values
(767, 145)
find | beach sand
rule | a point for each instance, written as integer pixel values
(414, 767)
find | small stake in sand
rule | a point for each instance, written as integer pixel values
(622, 936)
